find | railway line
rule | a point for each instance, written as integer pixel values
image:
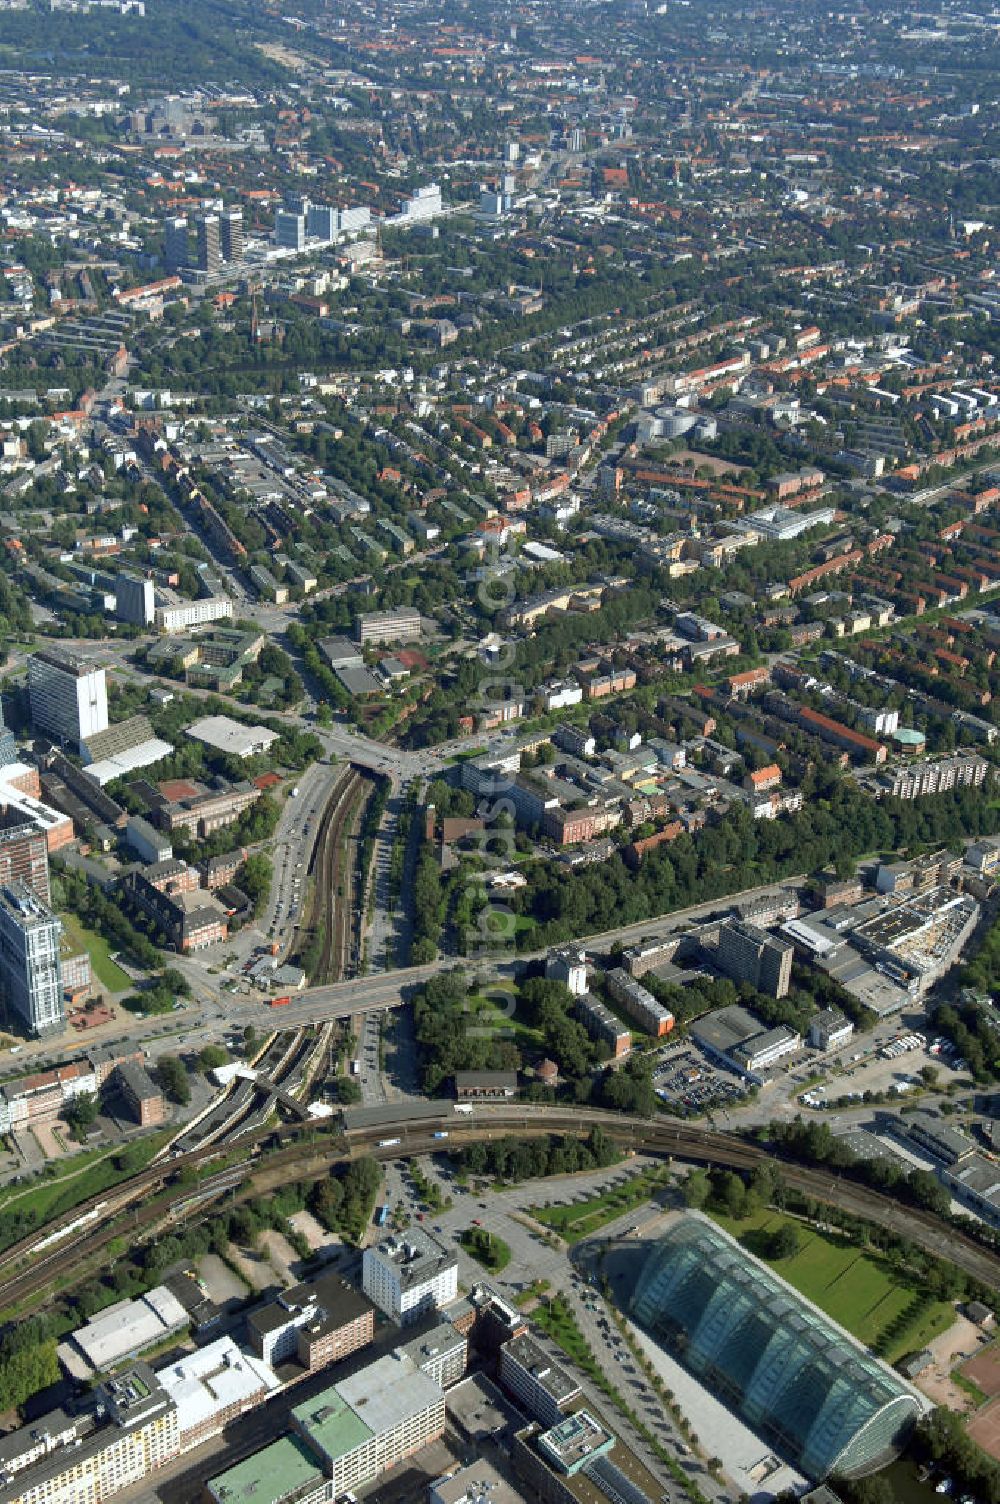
(333, 869)
(42, 1258)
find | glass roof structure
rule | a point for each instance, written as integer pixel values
(789, 1372)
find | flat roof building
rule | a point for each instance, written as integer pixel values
(224, 734)
(639, 1003)
(30, 966)
(541, 1385)
(407, 1276)
(68, 694)
(749, 954)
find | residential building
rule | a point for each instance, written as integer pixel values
(917, 779)
(409, 1275)
(191, 921)
(179, 615)
(233, 240)
(30, 971)
(569, 966)
(143, 1097)
(639, 1003)
(601, 1023)
(209, 243)
(400, 625)
(175, 242)
(24, 855)
(749, 954)
(68, 694)
(128, 1432)
(134, 599)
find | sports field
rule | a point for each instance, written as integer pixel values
(106, 972)
(862, 1292)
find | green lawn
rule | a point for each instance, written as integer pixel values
(24, 1208)
(583, 1217)
(859, 1290)
(107, 972)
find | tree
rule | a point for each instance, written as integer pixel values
(172, 1075)
(212, 1056)
(80, 1113)
(784, 1242)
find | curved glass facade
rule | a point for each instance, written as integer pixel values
(794, 1378)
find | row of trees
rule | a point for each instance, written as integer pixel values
(515, 1159)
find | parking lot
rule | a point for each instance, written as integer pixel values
(895, 1067)
(687, 1078)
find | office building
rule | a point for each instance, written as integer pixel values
(401, 625)
(799, 1381)
(30, 970)
(639, 1003)
(321, 222)
(316, 1323)
(175, 243)
(8, 743)
(423, 204)
(209, 243)
(737, 1039)
(749, 954)
(20, 804)
(68, 695)
(289, 230)
(354, 219)
(408, 1276)
(149, 845)
(829, 1030)
(342, 1439)
(233, 242)
(134, 600)
(24, 855)
(441, 1353)
(541, 1386)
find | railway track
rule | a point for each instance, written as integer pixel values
(52, 1252)
(333, 870)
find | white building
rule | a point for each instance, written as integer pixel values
(409, 1275)
(134, 600)
(829, 1030)
(227, 735)
(212, 1386)
(569, 966)
(68, 694)
(179, 615)
(30, 969)
(424, 204)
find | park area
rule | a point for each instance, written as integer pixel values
(867, 1296)
(77, 938)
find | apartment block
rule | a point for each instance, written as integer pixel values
(916, 780)
(639, 1003)
(749, 954)
(401, 625)
(68, 695)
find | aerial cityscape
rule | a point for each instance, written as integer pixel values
(499, 752)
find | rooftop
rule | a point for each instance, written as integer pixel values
(277, 1475)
